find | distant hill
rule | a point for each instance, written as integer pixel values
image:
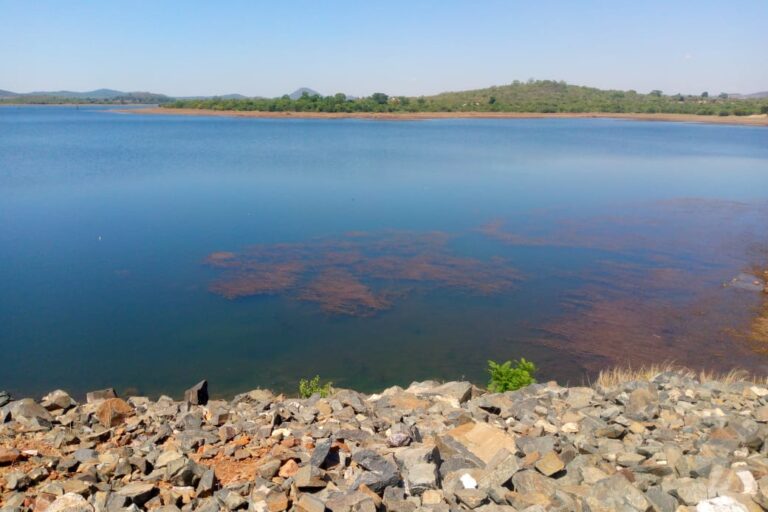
(298, 93)
(753, 96)
(533, 96)
(96, 96)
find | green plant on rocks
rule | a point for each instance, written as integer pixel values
(506, 377)
(308, 387)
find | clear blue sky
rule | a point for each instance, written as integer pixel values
(398, 47)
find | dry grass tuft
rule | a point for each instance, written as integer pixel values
(619, 375)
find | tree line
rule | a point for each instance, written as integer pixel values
(542, 96)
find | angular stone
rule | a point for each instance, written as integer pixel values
(288, 469)
(30, 414)
(86, 455)
(57, 400)
(691, 491)
(499, 470)
(309, 503)
(139, 493)
(207, 484)
(472, 498)
(477, 441)
(101, 394)
(549, 464)
(420, 477)
(70, 502)
(9, 455)
(320, 453)
(615, 493)
(17, 481)
(643, 404)
(309, 477)
(380, 472)
(197, 394)
(721, 504)
(113, 411)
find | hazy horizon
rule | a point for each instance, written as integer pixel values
(201, 49)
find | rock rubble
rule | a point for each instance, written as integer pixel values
(671, 444)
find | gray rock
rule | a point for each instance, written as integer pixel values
(380, 473)
(138, 493)
(31, 415)
(615, 493)
(320, 453)
(100, 394)
(420, 477)
(643, 404)
(197, 394)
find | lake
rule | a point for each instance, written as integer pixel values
(148, 252)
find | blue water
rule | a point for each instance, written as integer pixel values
(106, 220)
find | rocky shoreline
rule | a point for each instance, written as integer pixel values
(671, 443)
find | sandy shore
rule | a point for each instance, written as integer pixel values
(757, 120)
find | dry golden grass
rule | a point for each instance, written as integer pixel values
(619, 375)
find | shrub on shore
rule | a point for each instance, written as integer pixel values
(308, 387)
(506, 377)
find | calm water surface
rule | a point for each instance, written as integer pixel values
(147, 252)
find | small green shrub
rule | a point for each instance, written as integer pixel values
(307, 388)
(505, 377)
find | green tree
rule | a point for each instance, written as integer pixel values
(380, 98)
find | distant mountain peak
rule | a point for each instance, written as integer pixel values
(298, 93)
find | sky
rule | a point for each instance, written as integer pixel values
(409, 47)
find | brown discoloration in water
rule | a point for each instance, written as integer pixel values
(358, 274)
(672, 303)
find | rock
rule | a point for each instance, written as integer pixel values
(478, 442)
(5, 397)
(690, 491)
(137, 492)
(309, 477)
(17, 481)
(113, 412)
(380, 472)
(231, 499)
(721, 504)
(499, 470)
(101, 394)
(320, 453)
(549, 464)
(9, 455)
(399, 435)
(197, 394)
(207, 484)
(31, 415)
(643, 404)
(615, 493)
(289, 469)
(86, 455)
(472, 498)
(58, 400)
(70, 502)
(420, 477)
(309, 503)
(268, 469)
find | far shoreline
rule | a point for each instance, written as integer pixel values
(754, 120)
